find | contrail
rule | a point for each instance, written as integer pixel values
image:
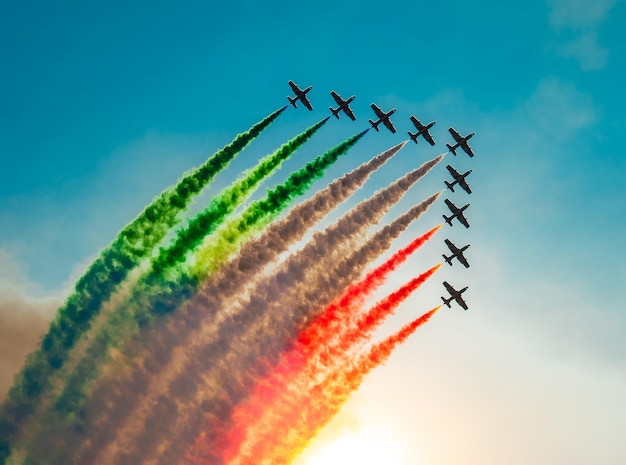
(226, 202)
(147, 296)
(135, 242)
(275, 239)
(262, 212)
(238, 229)
(327, 342)
(297, 426)
(345, 306)
(268, 319)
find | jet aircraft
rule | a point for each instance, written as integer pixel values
(422, 130)
(382, 118)
(458, 179)
(456, 252)
(456, 213)
(300, 95)
(454, 295)
(342, 105)
(460, 142)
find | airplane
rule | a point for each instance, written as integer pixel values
(458, 179)
(422, 130)
(460, 142)
(454, 295)
(342, 105)
(300, 95)
(456, 213)
(456, 252)
(382, 118)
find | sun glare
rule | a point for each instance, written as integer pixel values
(363, 448)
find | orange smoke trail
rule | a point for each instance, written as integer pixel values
(295, 424)
(292, 379)
(317, 335)
(367, 323)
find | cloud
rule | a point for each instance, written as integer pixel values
(558, 108)
(577, 22)
(579, 14)
(591, 56)
(23, 321)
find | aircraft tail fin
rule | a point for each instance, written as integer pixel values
(448, 259)
(450, 186)
(375, 125)
(292, 101)
(447, 301)
(413, 137)
(334, 112)
(452, 149)
(448, 219)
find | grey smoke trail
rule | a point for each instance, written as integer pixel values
(269, 318)
(113, 402)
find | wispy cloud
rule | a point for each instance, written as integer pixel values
(576, 22)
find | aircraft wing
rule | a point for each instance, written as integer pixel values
(377, 110)
(462, 219)
(387, 122)
(428, 137)
(467, 149)
(465, 186)
(456, 135)
(453, 248)
(449, 288)
(461, 302)
(417, 123)
(294, 87)
(305, 102)
(463, 260)
(453, 208)
(338, 99)
(348, 111)
(453, 172)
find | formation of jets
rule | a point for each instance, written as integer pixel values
(458, 179)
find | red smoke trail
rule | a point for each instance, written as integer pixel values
(343, 307)
(367, 323)
(291, 425)
(244, 341)
(295, 374)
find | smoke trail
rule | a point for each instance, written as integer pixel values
(236, 273)
(346, 305)
(260, 213)
(325, 344)
(297, 426)
(227, 238)
(155, 293)
(225, 203)
(250, 338)
(132, 244)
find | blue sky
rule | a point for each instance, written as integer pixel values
(103, 105)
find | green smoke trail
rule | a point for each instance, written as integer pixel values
(132, 244)
(159, 291)
(262, 212)
(229, 236)
(224, 204)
